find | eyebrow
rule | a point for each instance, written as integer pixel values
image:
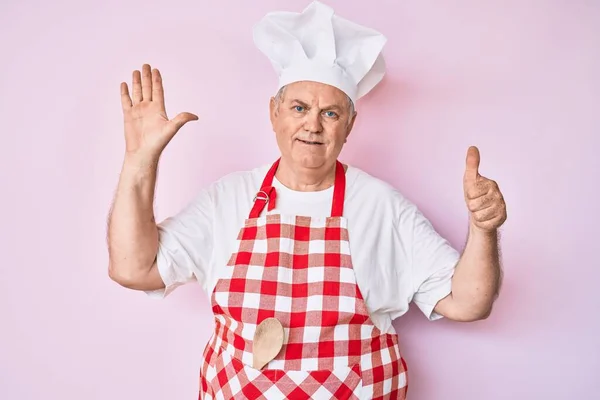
(331, 107)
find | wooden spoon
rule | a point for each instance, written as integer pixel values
(268, 341)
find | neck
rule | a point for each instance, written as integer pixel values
(305, 179)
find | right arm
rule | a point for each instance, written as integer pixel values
(132, 230)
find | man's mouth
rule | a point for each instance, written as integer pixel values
(308, 142)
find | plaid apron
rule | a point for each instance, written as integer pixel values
(298, 269)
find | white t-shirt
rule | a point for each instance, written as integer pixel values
(397, 255)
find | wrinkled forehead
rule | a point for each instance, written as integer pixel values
(315, 93)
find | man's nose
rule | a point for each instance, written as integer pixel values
(312, 122)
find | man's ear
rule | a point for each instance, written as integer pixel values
(350, 125)
(273, 111)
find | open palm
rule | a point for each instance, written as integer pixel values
(148, 129)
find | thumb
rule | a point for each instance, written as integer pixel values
(181, 119)
(472, 165)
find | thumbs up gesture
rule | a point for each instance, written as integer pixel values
(483, 197)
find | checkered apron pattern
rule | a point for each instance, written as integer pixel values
(298, 269)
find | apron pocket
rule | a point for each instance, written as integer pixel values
(233, 379)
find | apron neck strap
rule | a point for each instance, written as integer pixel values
(267, 193)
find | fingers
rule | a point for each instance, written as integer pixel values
(147, 86)
(182, 119)
(480, 188)
(125, 99)
(490, 217)
(483, 196)
(146, 83)
(158, 93)
(488, 222)
(487, 200)
(486, 214)
(488, 211)
(137, 87)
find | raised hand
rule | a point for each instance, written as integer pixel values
(148, 129)
(482, 195)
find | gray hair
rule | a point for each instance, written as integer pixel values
(281, 92)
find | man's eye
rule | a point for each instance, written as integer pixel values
(299, 108)
(330, 114)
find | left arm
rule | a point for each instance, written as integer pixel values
(476, 281)
(478, 275)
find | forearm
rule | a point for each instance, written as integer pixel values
(478, 275)
(132, 231)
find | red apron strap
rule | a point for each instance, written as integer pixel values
(339, 191)
(267, 193)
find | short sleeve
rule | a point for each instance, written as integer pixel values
(433, 261)
(185, 245)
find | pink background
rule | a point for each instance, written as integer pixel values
(519, 79)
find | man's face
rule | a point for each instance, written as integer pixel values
(311, 123)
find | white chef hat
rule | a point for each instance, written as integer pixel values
(316, 45)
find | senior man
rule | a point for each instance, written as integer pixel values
(316, 256)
